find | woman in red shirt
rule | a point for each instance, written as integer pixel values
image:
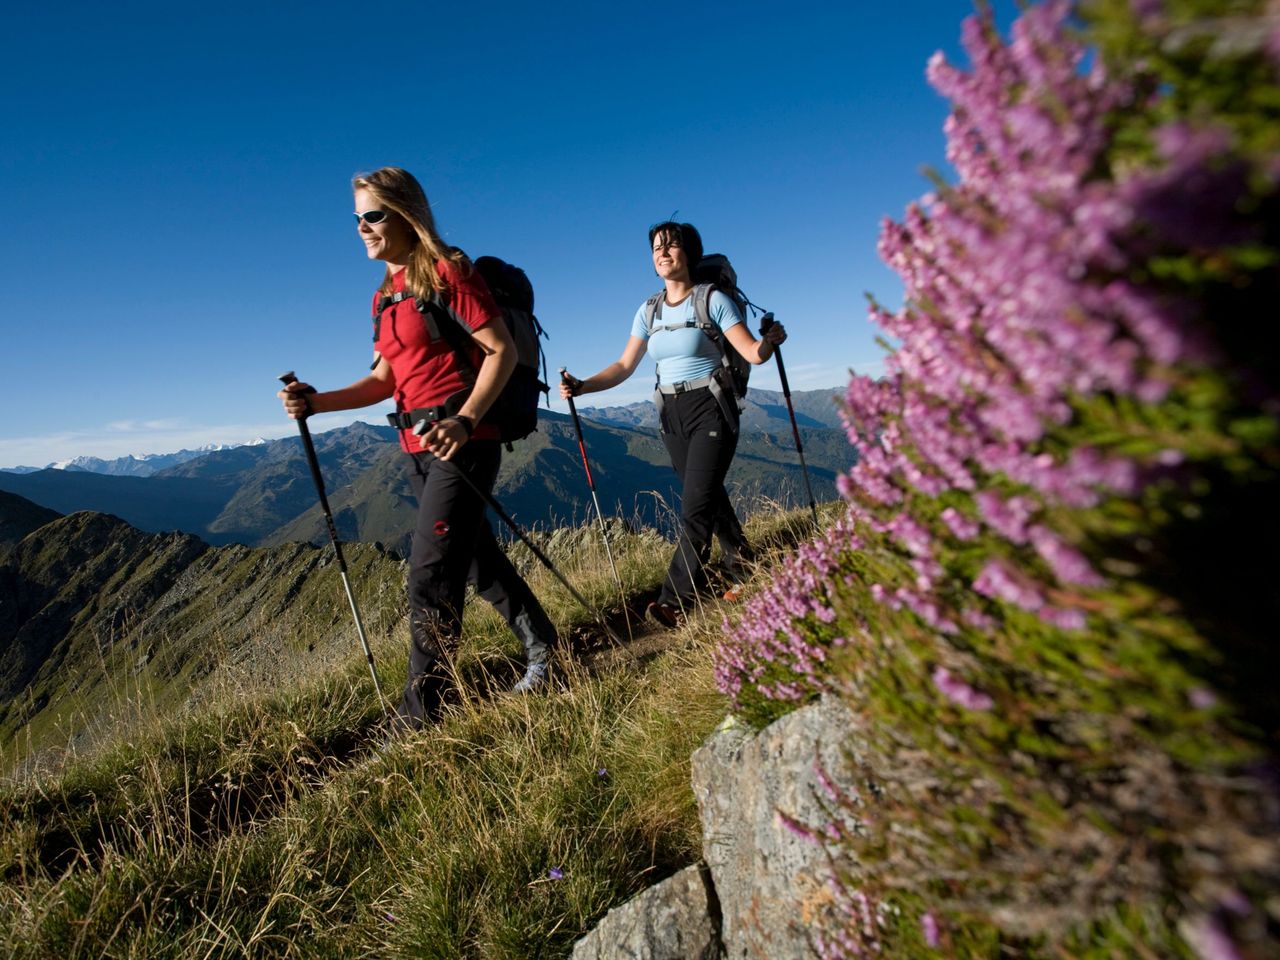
(415, 364)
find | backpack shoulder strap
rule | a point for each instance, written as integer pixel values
(384, 303)
(443, 324)
(653, 311)
(702, 316)
(702, 311)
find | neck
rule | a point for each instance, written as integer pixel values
(677, 290)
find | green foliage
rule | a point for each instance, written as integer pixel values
(1092, 792)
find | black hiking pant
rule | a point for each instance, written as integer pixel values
(701, 443)
(453, 544)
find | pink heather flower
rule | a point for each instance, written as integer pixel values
(1064, 618)
(1210, 941)
(1007, 517)
(796, 828)
(1067, 563)
(978, 620)
(1236, 902)
(1273, 37)
(960, 525)
(929, 929)
(1202, 698)
(998, 582)
(959, 692)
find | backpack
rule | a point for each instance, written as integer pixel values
(713, 272)
(517, 406)
(515, 412)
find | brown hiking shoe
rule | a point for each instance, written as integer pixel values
(664, 614)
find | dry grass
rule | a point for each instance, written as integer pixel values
(264, 824)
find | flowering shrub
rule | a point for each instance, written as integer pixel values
(1040, 578)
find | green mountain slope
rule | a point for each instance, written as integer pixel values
(95, 614)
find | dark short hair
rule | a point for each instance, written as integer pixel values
(688, 235)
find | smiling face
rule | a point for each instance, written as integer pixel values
(669, 259)
(390, 240)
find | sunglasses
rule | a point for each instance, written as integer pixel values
(372, 216)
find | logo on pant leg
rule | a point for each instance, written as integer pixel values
(441, 528)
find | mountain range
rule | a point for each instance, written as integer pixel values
(142, 465)
(262, 494)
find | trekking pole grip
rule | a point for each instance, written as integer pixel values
(290, 377)
(766, 324)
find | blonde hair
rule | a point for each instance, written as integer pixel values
(398, 190)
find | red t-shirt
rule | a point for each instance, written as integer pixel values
(426, 371)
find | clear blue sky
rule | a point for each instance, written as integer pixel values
(178, 224)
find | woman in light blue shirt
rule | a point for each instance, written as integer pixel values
(697, 406)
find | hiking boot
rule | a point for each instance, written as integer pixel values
(535, 676)
(393, 734)
(664, 614)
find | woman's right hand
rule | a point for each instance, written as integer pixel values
(294, 398)
(570, 386)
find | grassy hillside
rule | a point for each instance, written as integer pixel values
(99, 620)
(257, 820)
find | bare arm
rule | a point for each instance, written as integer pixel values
(495, 369)
(612, 375)
(376, 387)
(755, 351)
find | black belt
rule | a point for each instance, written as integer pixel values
(407, 421)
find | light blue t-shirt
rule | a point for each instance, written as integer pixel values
(686, 353)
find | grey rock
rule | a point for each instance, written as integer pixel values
(669, 921)
(772, 883)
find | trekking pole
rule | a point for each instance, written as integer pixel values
(420, 428)
(591, 484)
(314, 463)
(766, 322)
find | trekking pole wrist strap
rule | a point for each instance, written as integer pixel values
(468, 424)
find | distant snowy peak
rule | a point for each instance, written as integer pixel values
(146, 464)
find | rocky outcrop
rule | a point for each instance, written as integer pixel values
(669, 921)
(762, 804)
(759, 795)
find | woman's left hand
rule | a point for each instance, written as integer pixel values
(444, 438)
(775, 334)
